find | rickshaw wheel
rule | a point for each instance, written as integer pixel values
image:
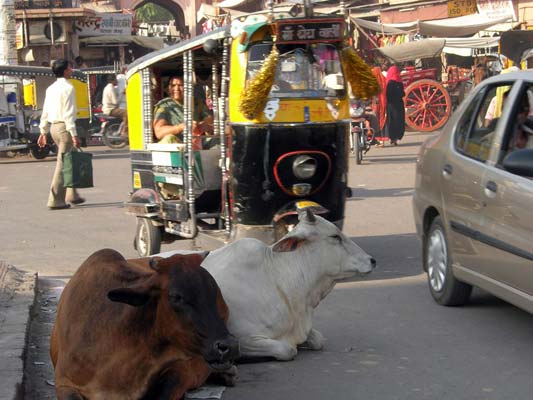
(147, 238)
(427, 105)
(39, 152)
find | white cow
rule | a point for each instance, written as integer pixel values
(271, 291)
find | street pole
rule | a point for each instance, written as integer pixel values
(8, 48)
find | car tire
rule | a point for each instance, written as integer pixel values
(444, 287)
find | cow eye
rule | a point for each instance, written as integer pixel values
(177, 298)
(337, 238)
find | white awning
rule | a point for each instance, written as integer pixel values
(464, 46)
(376, 26)
(410, 51)
(466, 25)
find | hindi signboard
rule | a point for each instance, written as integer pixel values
(310, 31)
(104, 24)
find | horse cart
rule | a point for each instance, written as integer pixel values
(429, 101)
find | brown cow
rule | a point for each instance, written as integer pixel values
(140, 329)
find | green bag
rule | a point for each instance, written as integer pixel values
(77, 169)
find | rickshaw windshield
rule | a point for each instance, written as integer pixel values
(303, 70)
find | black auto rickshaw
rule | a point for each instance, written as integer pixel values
(281, 114)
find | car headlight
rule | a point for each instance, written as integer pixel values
(304, 166)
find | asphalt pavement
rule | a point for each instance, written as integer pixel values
(38, 247)
(386, 337)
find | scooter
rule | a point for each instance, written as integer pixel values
(110, 131)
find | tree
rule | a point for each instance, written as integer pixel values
(151, 12)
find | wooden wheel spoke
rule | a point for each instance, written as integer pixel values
(427, 105)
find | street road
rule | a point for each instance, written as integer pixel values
(386, 338)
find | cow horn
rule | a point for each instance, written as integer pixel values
(310, 216)
(154, 264)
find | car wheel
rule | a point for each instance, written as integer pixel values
(444, 287)
(148, 238)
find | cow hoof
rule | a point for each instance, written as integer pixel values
(226, 378)
(315, 340)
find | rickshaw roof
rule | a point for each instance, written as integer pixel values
(106, 69)
(24, 71)
(176, 49)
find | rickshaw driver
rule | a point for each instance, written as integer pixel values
(169, 119)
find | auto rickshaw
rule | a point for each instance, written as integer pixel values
(25, 86)
(281, 115)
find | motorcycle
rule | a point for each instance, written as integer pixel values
(110, 131)
(362, 135)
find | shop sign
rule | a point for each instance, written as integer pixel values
(104, 24)
(19, 36)
(458, 8)
(495, 9)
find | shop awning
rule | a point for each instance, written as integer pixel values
(154, 43)
(429, 48)
(410, 51)
(466, 25)
(377, 27)
(465, 46)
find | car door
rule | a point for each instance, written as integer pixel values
(461, 177)
(506, 235)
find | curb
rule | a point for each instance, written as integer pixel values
(17, 296)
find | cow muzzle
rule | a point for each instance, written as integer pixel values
(223, 353)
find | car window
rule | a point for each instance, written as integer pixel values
(475, 131)
(519, 133)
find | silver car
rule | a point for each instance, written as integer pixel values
(473, 200)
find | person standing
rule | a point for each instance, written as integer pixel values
(59, 110)
(395, 121)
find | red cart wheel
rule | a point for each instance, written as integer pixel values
(427, 105)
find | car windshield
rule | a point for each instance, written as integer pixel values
(303, 70)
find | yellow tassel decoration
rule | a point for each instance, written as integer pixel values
(255, 94)
(363, 83)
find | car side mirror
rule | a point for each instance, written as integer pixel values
(519, 162)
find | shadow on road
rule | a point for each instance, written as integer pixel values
(117, 204)
(405, 261)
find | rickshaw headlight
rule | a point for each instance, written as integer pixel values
(304, 166)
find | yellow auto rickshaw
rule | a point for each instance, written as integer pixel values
(280, 105)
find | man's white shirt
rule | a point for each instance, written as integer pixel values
(59, 106)
(110, 99)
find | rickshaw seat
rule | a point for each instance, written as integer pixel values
(166, 147)
(208, 174)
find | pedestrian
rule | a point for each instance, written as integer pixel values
(111, 100)
(59, 110)
(395, 121)
(379, 104)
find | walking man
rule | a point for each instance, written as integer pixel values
(59, 110)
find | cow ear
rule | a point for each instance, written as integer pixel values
(290, 243)
(136, 295)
